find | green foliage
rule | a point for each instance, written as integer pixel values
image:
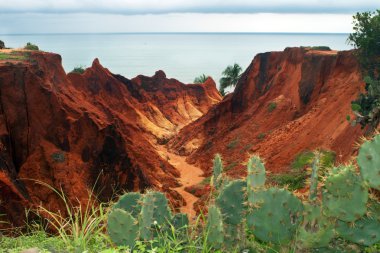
(14, 55)
(306, 158)
(231, 76)
(233, 143)
(321, 48)
(294, 180)
(272, 106)
(365, 39)
(79, 69)
(261, 136)
(30, 46)
(2, 44)
(201, 79)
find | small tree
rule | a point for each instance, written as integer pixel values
(2, 45)
(30, 46)
(230, 77)
(366, 39)
(201, 79)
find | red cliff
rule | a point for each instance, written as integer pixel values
(285, 103)
(75, 131)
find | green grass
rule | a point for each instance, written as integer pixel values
(296, 178)
(15, 56)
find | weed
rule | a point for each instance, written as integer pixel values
(233, 143)
(261, 136)
(272, 106)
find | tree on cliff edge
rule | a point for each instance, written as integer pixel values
(366, 39)
(230, 77)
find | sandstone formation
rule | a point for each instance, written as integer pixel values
(285, 103)
(82, 132)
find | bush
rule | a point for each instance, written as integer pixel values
(321, 48)
(80, 69)
(30, 46)
(2, 45)
(272, 106)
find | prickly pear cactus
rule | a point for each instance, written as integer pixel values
(154, 212)
(255, 184)
(314, 177)
(316, 230)
(215, 236)
(130, 202)
(369, 162)
(365, 231)
(122, 228)
(344, 194)
(277, 215)
(180, 221)
(217, 170)
(231, 202)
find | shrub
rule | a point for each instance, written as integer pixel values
(272, 106)
(200, 79)
(2, 45)
(233, 143)
(79, 69)
(261, 136)
(30, 46)
(321, 48)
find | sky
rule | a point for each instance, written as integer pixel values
(112, 16)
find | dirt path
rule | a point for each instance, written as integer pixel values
(190, 175)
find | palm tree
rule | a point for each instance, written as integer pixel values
(230, 77)
(201, 79)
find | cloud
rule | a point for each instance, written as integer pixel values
(133, 7)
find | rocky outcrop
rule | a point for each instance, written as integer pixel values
(285, 103)
(87, 132)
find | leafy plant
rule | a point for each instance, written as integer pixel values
(366, 39)
(79, 69)
(233, 143)
(30, 46)
(2, 45)
(201, 79)
(231, 76)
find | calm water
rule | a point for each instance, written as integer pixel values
(181, 56)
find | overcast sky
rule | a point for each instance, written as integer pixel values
(74, 16)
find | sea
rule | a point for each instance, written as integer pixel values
(182, 56)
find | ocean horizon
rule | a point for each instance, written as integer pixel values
(180, 55)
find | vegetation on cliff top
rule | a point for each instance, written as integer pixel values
(366, 39)
(231, 76)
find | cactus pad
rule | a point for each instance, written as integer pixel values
(122, 228)
(231, 202)
(215, 236)
(364, 231)
(180, 221)
(217, 170)
(369, 162)
(316, 230)
(277, 215)
(129, 202)
(345, 195)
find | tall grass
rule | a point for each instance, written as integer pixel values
(84, 225)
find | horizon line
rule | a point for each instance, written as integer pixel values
(182, 33)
